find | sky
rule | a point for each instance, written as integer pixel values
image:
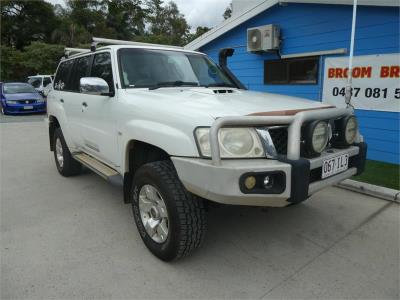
(197, 12)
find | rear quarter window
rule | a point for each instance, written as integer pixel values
(61, 81)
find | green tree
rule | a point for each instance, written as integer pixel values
(126, 17)
(36, 58)
(228, 12)
(199, 32)
(26, 21)
(167, 24)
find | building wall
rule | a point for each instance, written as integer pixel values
(308, 27)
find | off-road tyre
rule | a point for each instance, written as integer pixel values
(186, 212)
(70, 166)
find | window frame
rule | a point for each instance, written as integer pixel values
(72, 71)
(113, 70)
(288, 62)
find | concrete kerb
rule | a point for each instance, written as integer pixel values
(371, 190)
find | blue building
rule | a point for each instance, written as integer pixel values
(314, 34)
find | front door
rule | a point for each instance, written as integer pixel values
(98, 121)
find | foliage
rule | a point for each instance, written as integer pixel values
(33, 33)
(228, 12)
(36, 58)
(26, 21)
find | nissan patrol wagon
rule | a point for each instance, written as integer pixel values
(178, 131)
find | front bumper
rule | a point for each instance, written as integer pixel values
(221, 183)
(20, 108)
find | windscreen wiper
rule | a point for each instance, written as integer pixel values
(173, 83)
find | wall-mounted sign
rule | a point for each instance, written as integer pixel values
(376, 82)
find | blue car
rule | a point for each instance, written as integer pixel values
(20, 98)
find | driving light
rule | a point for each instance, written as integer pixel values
(268, 182)
(346, 131)
(233, 142)
(316, 138)
(250, 182)
(350, 131)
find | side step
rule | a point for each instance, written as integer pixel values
(99, 168)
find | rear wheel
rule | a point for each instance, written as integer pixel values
(171, 221)
(66, 164)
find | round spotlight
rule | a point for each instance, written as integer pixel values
(250, 182)
(346, 130)
(317, 137)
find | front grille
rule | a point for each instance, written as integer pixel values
(26, 101)
(279, 136)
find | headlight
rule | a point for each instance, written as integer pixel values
(40, 100)
(233, 142)
(346, 131)
(11, 102)
(317, 137)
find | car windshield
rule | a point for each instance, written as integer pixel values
(17, 88)
(36, 82)
(144, 68)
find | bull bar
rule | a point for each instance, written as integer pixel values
(295, 123)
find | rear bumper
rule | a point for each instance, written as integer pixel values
(298, 178)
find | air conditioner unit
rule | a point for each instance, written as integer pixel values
(263, 38)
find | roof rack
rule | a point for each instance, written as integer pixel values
(96, 41)
(68, 51)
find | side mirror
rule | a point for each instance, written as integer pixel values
(94, 86)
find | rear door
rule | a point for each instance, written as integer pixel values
(65, 97)
(74, 98)
(98, 118)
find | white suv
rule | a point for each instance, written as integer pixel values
(177, 131)
(40, 82)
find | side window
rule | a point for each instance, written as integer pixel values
(46, 81)
(102, 68)
(61, 82)
(80, 69)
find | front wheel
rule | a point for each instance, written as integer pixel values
(66, 164)
(171, 221)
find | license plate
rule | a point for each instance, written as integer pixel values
(335, 165)
(28, 107)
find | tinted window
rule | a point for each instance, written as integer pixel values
(80, 69)
(46, 81)
(61, 82)
(102, 68)
(292, 71)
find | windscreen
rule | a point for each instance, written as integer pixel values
(36, 82)
(17, 88)
(142, 68)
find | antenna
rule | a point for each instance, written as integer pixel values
(350, 69)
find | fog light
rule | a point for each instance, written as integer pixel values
(250, 182)
(268, 182)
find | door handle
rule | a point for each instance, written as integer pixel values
(62, 100)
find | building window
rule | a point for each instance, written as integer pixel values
(291, 71)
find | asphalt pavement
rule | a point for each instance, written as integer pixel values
(69, 238)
